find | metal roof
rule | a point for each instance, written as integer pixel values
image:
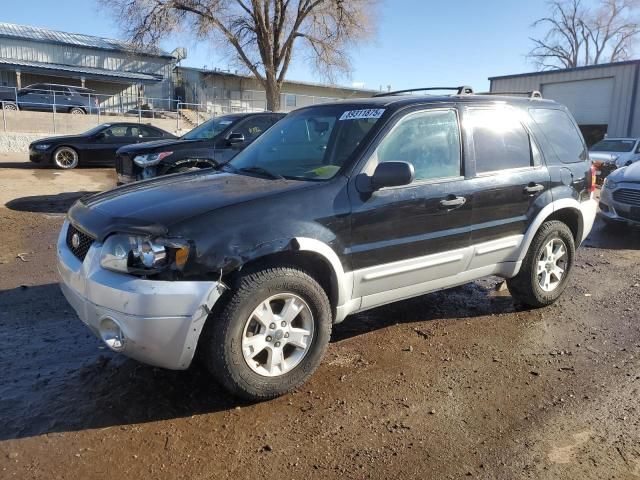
(565, 70)
(224, 73)
(89, 72)
(37, 34)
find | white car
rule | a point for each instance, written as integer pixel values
(618, 152)
(620, 197)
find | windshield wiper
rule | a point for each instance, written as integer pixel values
(260, 171)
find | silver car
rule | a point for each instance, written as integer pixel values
(616, 152)
(620, 197)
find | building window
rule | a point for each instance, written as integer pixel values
(290, 100)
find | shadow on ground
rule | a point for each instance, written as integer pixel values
(57, 377)
(58, 203)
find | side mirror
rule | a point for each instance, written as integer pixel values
(235, 139)
(100, 136)
(392, 174)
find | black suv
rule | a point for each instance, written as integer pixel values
(340, 208)
(214, 142)
(44, 96)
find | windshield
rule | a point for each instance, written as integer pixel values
(312, 144)
(209, 129)
(614, 146)
(97, 129)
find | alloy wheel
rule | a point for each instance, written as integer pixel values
(66, 158)
(277, 335)
(552, 264)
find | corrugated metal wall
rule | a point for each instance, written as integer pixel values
(85, 57)
(624, 82)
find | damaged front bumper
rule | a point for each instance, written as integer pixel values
(154, 321)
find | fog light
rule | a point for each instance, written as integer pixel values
(112, 334)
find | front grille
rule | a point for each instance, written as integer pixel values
(124, 165)
(629, 196)
(83, 242)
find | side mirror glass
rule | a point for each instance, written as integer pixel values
(235, 139)
(392, 174)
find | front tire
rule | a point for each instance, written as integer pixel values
(546, 267)
(270, 334)
(9, 106)
(65, 158)
(77, 111)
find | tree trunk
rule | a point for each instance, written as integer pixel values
(272, 89)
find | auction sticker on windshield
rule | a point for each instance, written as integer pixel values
(359, 114)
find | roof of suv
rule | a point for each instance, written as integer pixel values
(403, 100)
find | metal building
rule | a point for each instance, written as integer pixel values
(30, 55)
(603, 98)
(224, 92)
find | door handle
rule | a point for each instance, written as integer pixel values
(533, 188)
(452, 202)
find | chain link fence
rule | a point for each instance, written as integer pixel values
(60, 109)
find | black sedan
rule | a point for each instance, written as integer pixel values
(95, 147)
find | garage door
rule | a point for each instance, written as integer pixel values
(588, 100)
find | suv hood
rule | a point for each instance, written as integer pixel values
(156, 146)
(154, 205)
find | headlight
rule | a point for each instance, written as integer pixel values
(42, 146)
(139, 254)
(150, 159)
(610, 184)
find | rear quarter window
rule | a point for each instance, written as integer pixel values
(562, 134)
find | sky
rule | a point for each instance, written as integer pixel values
(419, 43)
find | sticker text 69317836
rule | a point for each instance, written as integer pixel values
(359, 114)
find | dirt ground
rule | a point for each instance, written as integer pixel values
(454, 384)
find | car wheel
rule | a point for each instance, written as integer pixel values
(10, 106)
(65, 158)
(270, 334)
(76, 111)
(546, 267)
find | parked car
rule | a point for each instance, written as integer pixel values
(214, 142)
(93, 147)
(620, 197)
(612, 153)
(44, 96)
(340, 208)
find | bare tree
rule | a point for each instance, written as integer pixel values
(264, 35)
(578, 35)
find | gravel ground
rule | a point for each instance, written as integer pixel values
(454, 384)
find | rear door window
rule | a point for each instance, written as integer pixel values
(500, 140)
(562, 133)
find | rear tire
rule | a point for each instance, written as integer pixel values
(269, 335)
(10, 107)
(546, 268)
(77, 111)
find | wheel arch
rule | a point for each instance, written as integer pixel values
(566, 210)
(314, 257)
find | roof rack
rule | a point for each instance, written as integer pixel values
(533, 94)
(463, 90)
